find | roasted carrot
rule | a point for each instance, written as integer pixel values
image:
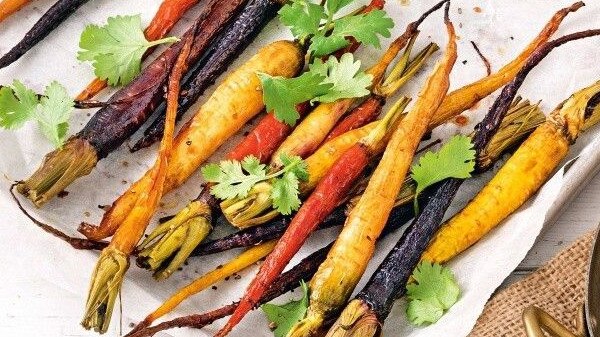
(364, 315)
(284, 283)
(338, 275)
(530, 166)
(236, 37)
(169, 12)
(457, 101)
(8, 7)
(328, 194)
(257, 11)
(124, 112)
(58, 13)
(167, 247)
(256, 207)
(302, 271)
(114, 260)
(232, 104)
(465, 97)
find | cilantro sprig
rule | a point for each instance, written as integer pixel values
(234, 179)
(19, 104)
(283, 317)
(317, 25)
(435, 290)
(323, 82)
(455, 159)
(116, 49)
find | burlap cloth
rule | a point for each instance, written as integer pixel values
(558, 287)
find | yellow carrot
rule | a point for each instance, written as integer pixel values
(521, 176)
(232, 104)
(338, 275)
(239, 263)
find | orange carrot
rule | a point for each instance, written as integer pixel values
(8, 7)
(114, 259)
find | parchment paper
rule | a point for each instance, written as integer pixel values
(44, 282)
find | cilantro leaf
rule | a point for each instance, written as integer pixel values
(230, 179)
(321, 45)
(435, 290)
(346, 79)
(285, 193)
(296, 165)
(323, 82)
(53, 112)
(285, 188)
(17, 105)
(421, 312)
(333, 6)
(285, 316)
(302, 17)
(116, 49)
(455, 159)
(233, 179)
(20, 104)
(365, 28)
(281, 95)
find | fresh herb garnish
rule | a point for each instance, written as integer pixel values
(283, 317)
(455, 159)
(51, 112)
(435, 290)
(116, 49)
(317, 25)
(324, 82)
(234, 179)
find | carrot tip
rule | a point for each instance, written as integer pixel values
(60, 168)
(105, 286)
(171, 243)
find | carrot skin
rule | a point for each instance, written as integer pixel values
(8, 7)
(56, 15)
(169, 12)
(362, 115)
(264, 139)
(236, 37)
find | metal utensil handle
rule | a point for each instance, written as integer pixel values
(537, 321)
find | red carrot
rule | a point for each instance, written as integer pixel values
(328, 194)
(265, 138)
(362, 115)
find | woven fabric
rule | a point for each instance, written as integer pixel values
(558, 287)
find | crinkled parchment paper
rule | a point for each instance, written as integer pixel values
(43, 282)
